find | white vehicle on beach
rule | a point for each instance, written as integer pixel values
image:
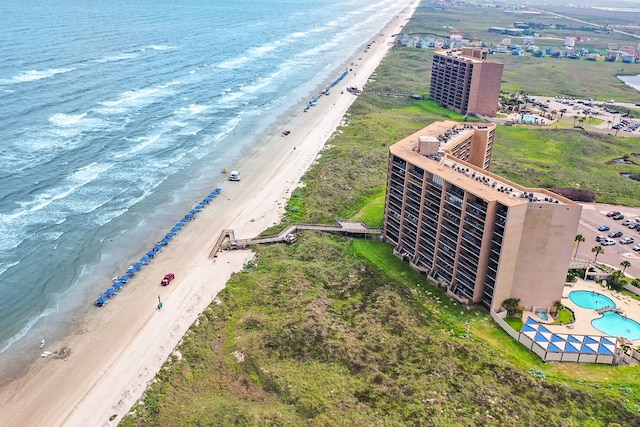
(234, 176)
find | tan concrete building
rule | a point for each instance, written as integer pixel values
(485, 238)
(464, 81)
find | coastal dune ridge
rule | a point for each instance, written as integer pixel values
(102, 367)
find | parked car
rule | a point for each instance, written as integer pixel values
(168, 278)
(615, 234)
(618, 217)
(603, 228)
(600, 238)
(607, 242)
(626, 240)
(636, 248)
(612, 213)
(632, 224)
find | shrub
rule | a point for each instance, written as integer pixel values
(576, 194)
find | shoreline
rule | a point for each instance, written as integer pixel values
(113, 353)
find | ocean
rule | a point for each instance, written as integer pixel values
(116, 116)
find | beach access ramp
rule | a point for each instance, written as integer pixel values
(227, 239)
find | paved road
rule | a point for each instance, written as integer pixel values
(595, 215)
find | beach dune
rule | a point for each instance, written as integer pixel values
(103, 367)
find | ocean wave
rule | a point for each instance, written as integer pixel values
(79, 178)
(3, 269)
(144, 142)
(234, 63)
(139, 97)
(26, 328)
(32, 75)
(161, 47)
(62, 119)
(115, 58)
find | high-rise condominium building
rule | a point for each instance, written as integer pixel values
(464, 81)
(485, 238)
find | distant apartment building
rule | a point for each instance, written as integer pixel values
(484, 238)
(463, 80)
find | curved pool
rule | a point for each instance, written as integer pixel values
(590, 299)
(612, 323)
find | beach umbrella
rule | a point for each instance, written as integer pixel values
(157, 248)
(138, 265)
(169, 235)
(110, 292)
(165, 241)
(125, 279)
(132, 270)
(175, 229)
(151, 254)
(145, 259)
(194, 211)
(197, 209)
(118, 285)
(204, 202)
(101, 301)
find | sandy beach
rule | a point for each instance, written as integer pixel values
(115, 351)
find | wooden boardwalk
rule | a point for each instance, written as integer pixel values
(227, 238)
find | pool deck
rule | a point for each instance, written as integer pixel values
(584, 316)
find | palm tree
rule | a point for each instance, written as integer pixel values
(511, 305)
(624, 264)
(579, 238)
(597, 250)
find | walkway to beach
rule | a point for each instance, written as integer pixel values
(227, 238)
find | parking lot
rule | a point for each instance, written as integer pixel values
(594, 216)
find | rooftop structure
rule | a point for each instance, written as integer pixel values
(463, 80)
(482, 236)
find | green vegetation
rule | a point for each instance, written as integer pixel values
(568, 158)
(338, 331)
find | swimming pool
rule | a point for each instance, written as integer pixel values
(614, 324)
(590, 299)
(528, 119)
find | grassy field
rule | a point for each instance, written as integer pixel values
(338, 331)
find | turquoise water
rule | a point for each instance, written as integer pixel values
(617, 325)
(591, 300)
(528, 119)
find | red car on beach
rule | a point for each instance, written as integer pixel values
(168, 278)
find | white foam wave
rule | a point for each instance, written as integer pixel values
(3, 269)
(78, 179)
(144, 142)
(234, 63)
(62, 119)
(115, 58)
(139, 97)
(195, 109)
(32, 75)
(26, 328)
(161, 47)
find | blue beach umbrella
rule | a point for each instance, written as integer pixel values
(145, 259)
(169, 235)
(165, 241)
(125, 279)
(151, 254)
(175, 229)
(194, 211)
(118, 285)
(101, 301)
(110, 292)
(158, 248)
(138, 265)
(132, 270)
